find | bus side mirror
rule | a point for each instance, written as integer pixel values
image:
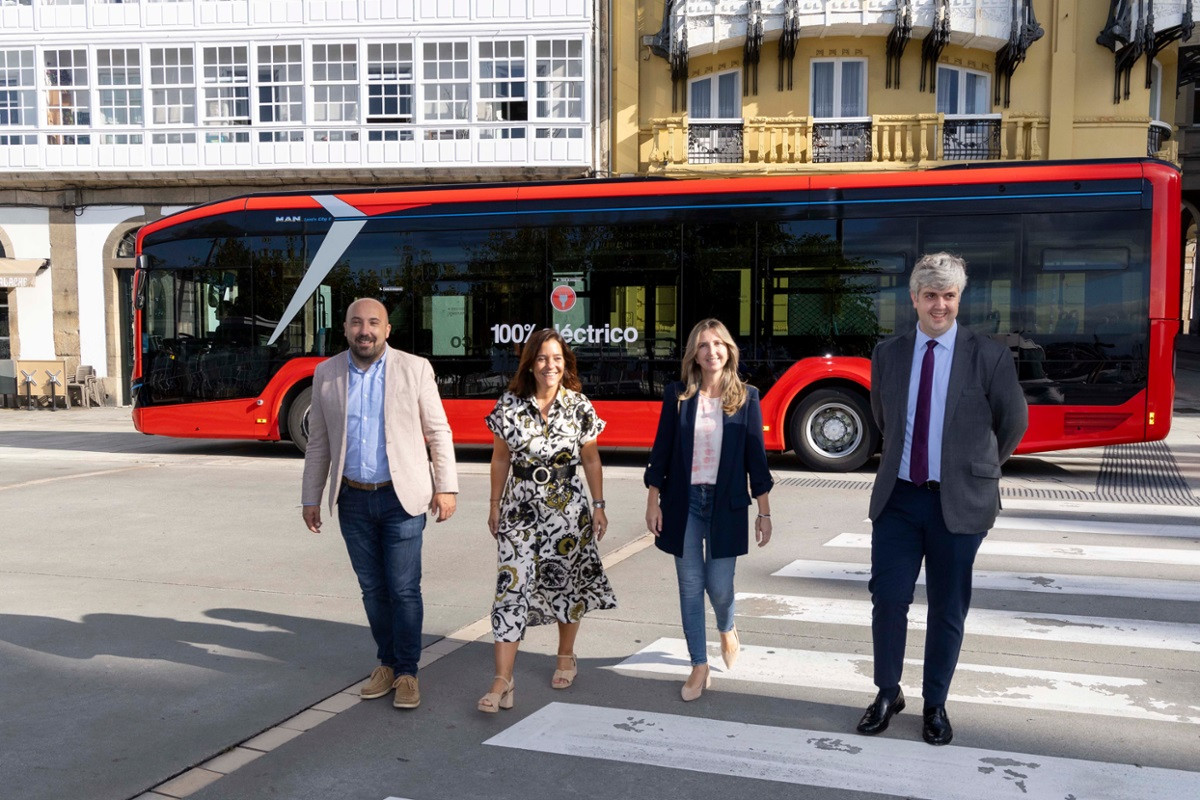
(140, 279)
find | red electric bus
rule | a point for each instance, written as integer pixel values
(1075, 266)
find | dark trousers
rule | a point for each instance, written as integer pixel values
(909, 530)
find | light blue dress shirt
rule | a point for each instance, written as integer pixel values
(943, 354)
(366, 444)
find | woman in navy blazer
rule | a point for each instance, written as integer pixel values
(708, 447)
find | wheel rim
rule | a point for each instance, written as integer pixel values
(834, 430)
(304, 424)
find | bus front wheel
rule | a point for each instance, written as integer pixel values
(298, 419)
(832, 430)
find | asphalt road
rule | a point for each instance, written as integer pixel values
(162, 606)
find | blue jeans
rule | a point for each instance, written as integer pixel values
(384, 543)
(697, 573)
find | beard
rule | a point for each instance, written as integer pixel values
(367, 349)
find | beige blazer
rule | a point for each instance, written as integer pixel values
(413, 418)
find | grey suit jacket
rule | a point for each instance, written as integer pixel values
(986, 417)
(413, 417)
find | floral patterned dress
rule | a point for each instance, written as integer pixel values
(549, 567)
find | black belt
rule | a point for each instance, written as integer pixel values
(366, 487)
(541, 474)
(933, 486)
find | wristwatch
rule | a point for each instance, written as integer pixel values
(597, 504)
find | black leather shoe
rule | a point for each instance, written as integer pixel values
(936, 729)
(879, 713)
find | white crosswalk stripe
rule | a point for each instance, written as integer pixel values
(984, 622)
(1097, 585)
(1131, 698)
(1097, 526)
(841, 761)
(1076, 552)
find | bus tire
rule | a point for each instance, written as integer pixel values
(832, 430)
(298, 419)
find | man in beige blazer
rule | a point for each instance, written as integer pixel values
(374, 413)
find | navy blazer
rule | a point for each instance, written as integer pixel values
(742, 455)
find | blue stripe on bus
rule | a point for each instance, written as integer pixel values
(754, 205)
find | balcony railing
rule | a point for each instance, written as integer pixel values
(1157, 137)
(715, 143)
(837, 141)
(974, 138)
(881, 139)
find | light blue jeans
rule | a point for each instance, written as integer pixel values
(697, 572)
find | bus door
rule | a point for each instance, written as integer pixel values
(719, 264)
(613, 294)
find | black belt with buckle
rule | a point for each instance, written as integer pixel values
(366, 487)
(933, 486)
(542, 474)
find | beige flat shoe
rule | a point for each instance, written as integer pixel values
(689, 693)
(563, 678)
(492, 702)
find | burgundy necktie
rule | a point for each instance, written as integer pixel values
(918, 459)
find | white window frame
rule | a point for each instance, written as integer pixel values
(279, 93)
(495, 92)
(714, 94)
(335, 82)
(225, 80)
(446, 82)
(119, 87)
(960, 99)
(391, 81)
(837, 88)
(559, 80)
(18, 85)
(75, 98)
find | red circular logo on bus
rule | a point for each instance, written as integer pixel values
(562, 298)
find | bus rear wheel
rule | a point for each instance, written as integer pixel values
(832, 430)
(298, 419)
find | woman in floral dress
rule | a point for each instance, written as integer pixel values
(546, 533)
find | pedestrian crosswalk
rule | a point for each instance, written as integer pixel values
(839, 761)
(1040, 582)
(1015, 602)
(1167, 530)
(1072, 628)
(1075, 552)
(1101, 695)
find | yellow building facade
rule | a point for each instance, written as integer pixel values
(759, 86)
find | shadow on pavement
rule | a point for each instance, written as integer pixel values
(226, 647)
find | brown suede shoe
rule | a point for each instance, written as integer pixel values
(408, 693)
(379, 684)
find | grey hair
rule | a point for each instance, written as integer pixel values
(938, 271)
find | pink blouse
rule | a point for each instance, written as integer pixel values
(706, 444)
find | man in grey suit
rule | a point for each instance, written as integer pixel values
(951, 411)
(379, 436)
